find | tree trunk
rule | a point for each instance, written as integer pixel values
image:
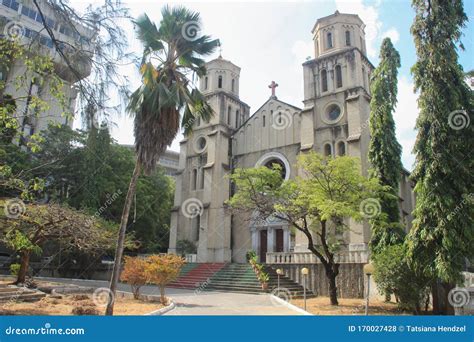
(24, 264)
(331, 275)
(162, 293)
(435, 295)
(121, 236)
(448, 308)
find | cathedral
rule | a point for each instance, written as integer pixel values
(333, 121)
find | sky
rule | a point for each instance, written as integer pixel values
(270, 40)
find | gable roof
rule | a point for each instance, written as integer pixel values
(274, 98)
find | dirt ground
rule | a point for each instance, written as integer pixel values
(66, 304)
(347, 306)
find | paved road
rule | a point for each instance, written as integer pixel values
(188, 302)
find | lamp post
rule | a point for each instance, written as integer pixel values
(368, 270)
(279, 273)
(304, 272)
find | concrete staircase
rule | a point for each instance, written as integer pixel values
(19, 294)
(192, 275)
(233, 277)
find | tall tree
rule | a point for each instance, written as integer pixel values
(166, 91)
(443, 228)
(384, 149)
(316, 204)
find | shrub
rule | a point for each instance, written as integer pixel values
(393, 275)
(134, 274)
(162, 270)
(14, 268)
(251, 255)
(184, 247)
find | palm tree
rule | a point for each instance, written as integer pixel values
(172, 55)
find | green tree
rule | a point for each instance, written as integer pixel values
(317, 204)
(384, 149)
(443, 235)
(165, 93)
(26, 230)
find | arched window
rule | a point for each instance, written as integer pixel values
(327, 150)
(341, 148)
(263, 121)
(329, 40)
(194, 179)
(324, 80)
(201, 179)
(348, 38)
(338, 76)
(229, 114)
(206, 80)
(219, 82)
(237, 118)
(233, 85)
(364, 78)
(196, 222)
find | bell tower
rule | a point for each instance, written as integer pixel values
(337, 95)
(202, 186)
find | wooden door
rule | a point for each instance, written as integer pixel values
(278, 240)
(263, 246)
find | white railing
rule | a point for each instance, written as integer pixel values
(347, 257)
(191, 257)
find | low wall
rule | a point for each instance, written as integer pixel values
(350, 281)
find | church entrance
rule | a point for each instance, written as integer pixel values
(279, 243)
(263, 246)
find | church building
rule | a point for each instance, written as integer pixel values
(333, 120)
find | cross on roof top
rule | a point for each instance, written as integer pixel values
(273, 85)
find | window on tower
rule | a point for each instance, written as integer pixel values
(348, 38)
(233, 85)
(202, 178)
(329, 40)
(194, 179)
(237, 118)
(219, 82)
(206, 81)
(338, 76)
(324, 80)
(229, 115)
(263, 121)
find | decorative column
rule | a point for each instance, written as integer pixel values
(270, 240)
(286, 239)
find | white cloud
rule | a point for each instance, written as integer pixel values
(393, 34)
(405, 118)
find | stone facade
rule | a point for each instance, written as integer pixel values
(333, 121)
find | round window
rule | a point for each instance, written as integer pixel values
(333, 112)
(200, 144)
(272, 164)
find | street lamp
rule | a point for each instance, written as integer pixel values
(304, 272)
(368, 270)
(279, 273)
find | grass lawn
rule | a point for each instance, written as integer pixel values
(347, 306)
